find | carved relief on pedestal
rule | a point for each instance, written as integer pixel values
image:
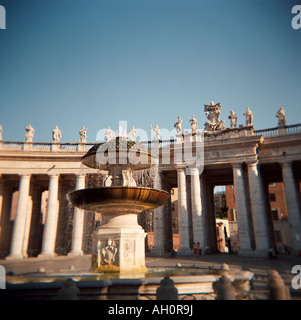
(129, 250)
(106, 252)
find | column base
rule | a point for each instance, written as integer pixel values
(14, 257)
(246, 253)
(261, 253)
(253, 253)
(75, 254)
(157, 252)
(46, 256)
(184, 252)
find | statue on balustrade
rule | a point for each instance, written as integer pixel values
(109, 134)
(249, 117)
(132, 134)
(157, 132)
(233, 119)
(213, 114)
(281, 117)
(82, 135)
(29, 134)
(178, 125)
(56, 135)
(194, 124)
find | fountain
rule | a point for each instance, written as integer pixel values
(118, 269)
(118, 244)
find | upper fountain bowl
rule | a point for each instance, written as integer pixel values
(127, 199)
(118, 151)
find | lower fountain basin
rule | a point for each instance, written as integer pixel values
(107, 199)
(194, 283)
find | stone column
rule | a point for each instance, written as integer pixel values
(241, 210)
(5, 221)
(259, 214)
(50, 228)
(1, 194)
(78, 222)
(2, 219)
(159, 225)
(197, 211)
(159, 247)
(27, 226)
(20, 220)
(183, 213)
(292, 205)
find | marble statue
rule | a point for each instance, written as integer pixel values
(157, 131)
(281, 117)
(213, 114)
(233, 119)
(132, 134)
(108, 134)
(82, 135)
(56, 135)
(194, 124)
(29, 134)
(178, 125)
(249, 117)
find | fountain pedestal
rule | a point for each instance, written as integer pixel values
(119, 250)
(118, 245)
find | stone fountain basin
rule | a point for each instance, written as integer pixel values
(118, 199)
(139, 286)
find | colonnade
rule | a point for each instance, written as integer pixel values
(253, 223)
(252, 217)
(24, 223)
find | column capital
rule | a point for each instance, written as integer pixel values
(286, 163)
(53, 175)
(25, 175)
(180, 169)
(237, 164)
(192, 171)
(80, 175)
(253, 163)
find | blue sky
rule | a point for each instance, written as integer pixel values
(70, 63)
